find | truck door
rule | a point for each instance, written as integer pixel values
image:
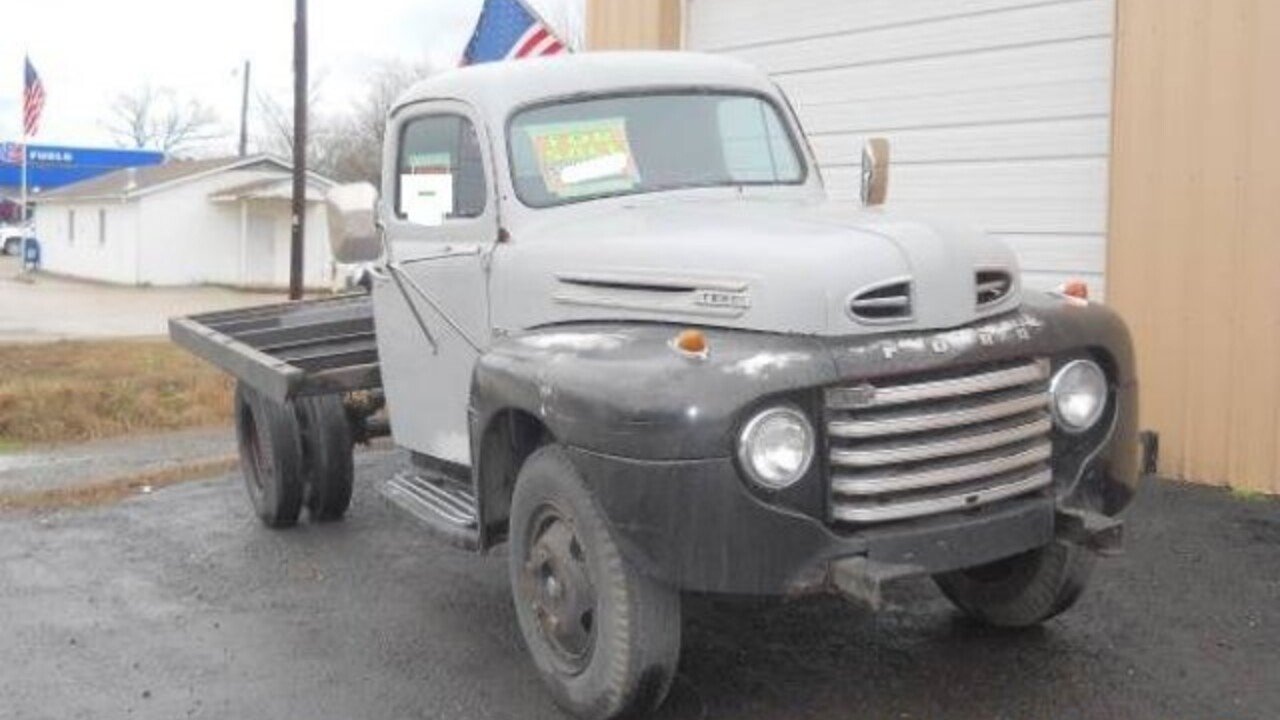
(431, 300)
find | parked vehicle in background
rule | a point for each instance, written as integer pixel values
(11, 238)
(618, 325)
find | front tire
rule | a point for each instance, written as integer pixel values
(604, 637)
(1023, 590)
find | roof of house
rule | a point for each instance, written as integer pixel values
(275, 188)
(131, 182)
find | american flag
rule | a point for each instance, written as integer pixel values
(507, 30)
(32, 99)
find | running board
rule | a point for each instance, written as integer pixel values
(449, 512)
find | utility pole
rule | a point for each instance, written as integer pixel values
(244, 113)
(299, 148)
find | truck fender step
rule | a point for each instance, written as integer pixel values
(447, 511)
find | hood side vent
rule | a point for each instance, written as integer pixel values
(886, 302)
(653, 292)
(992, 286)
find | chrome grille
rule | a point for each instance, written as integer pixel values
(937, 445)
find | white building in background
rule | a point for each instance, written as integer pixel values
(224, 221)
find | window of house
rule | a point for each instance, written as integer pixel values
(440, 170)
(71, 227)
(102, 226)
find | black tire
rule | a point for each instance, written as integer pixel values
(12, 246)
(270, 457)
(1023, 590)
(618, 652)
(327, 466)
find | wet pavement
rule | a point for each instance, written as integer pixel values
(178, 604)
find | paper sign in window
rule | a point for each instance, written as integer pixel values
(579, 159)
(426, 198)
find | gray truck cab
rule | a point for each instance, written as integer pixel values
(620, 327)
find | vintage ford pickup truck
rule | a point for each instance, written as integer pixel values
(619, 326)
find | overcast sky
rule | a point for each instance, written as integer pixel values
(89, 51)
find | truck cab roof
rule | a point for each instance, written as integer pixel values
(496, 89)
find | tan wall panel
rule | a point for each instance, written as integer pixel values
(633, 24)
(1194, 258)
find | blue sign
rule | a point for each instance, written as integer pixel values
(50, 167)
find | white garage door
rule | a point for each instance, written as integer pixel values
(998, 111)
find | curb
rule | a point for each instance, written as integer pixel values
(115, 489)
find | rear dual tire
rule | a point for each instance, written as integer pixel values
(294, 455)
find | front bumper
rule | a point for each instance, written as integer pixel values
(694, 525)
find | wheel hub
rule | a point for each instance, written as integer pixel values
(560, 592)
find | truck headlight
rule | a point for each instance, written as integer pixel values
(776, 447)
(1079, 393)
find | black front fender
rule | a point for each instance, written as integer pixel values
(622, 391)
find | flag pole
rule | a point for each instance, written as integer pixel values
(23, 209)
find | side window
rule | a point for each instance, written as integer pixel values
(440, 170)
(756, 146)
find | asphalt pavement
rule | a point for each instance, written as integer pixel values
(178, 604)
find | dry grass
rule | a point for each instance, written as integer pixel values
(72, 391)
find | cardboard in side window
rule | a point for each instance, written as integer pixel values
(426, 188)
(426, 198)
(589, 157)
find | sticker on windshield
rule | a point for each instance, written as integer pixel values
(590, 157)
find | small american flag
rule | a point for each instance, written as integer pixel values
(507, 30)
(32, 99)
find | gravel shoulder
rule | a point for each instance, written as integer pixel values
(48, 467)
(177, 604)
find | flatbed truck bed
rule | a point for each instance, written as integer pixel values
(289, 350)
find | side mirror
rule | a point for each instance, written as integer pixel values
(353, 223)
(875, 171)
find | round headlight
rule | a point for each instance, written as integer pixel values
(776, 447)
(1079, 393)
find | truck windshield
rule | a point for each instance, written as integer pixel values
(585, 149)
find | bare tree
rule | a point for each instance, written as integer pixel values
(157, 119)
(345, 145)
(356, 150)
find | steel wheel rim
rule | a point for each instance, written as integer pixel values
(557, 589)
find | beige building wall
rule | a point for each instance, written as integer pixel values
(1194, 259)
(633, 24)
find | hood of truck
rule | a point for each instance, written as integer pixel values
(775, 266)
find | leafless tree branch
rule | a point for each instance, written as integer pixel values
(157, 119)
